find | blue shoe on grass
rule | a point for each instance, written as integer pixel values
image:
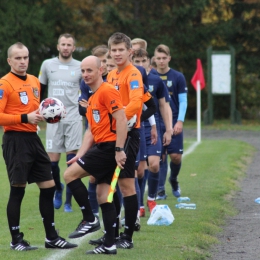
(161, 195)
(57, 201)
(176, 190)
(67, 208)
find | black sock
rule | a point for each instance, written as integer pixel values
(131, 209)
(118, 209)
(175, 169)
(80, 194)
(55, 170)
(14, 209)
(109, 219)
(47, 212)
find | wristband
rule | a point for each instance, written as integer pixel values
(119, 149)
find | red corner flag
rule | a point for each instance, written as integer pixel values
(198, 76)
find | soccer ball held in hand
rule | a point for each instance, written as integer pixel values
(52, 109)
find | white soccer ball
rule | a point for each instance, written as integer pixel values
(131, 123)
(52, 109)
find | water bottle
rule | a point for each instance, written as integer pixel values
(181, 199)
(257, 200)
(185, 206)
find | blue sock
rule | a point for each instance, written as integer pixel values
(153, 179)
(68, 191)
(92, 195)
(138, 192)
(175, 169)
(143, 187)
(163, 174)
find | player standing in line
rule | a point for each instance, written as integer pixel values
(160, 94)
(110, 63)
(102, 145)
(25, 158)
(62, 76)
(128, 81)
(176, 83)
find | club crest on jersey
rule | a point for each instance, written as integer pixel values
(169, 83)
(116, 87)
(150, 88)
(72, 73)
(96, 115)
(35, 92)
(23, 97)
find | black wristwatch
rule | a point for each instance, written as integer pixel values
(119, 149)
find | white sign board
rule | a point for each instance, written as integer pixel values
(221, 73)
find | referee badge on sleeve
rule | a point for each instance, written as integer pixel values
(96, 115)
(23, 97)
(1, 92)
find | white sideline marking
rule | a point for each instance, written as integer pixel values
(190, 149)
(59, 254)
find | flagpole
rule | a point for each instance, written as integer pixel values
(198, 112)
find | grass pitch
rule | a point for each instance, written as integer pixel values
(210, 176)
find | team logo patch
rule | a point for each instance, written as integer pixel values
(116, 87)
(23, 97)
(150, 88)
(72, 73)
(35, 92)
(169, 83)
(96, 115)
(1, 93)
(134, 84)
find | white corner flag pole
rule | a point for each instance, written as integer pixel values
(198, 113)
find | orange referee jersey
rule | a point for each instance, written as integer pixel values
(18, 97)
(102, 104)
(130, 85)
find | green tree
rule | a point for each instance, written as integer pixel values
(24, 22)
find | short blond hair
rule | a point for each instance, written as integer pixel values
(18, 45)
(142, 42)
(99, 50)
(163, 49)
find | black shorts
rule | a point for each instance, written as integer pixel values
(131, 153)
(25, 158)
(100, 162)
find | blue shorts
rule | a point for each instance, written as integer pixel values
(152, 149)
(176, 144)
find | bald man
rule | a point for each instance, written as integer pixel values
(102, 145)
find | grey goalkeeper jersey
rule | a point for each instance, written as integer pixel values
(63, 80)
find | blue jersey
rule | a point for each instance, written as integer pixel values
(85, 90)
(143, 73)
(176, 84)
(158, 90)
(153, 71)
